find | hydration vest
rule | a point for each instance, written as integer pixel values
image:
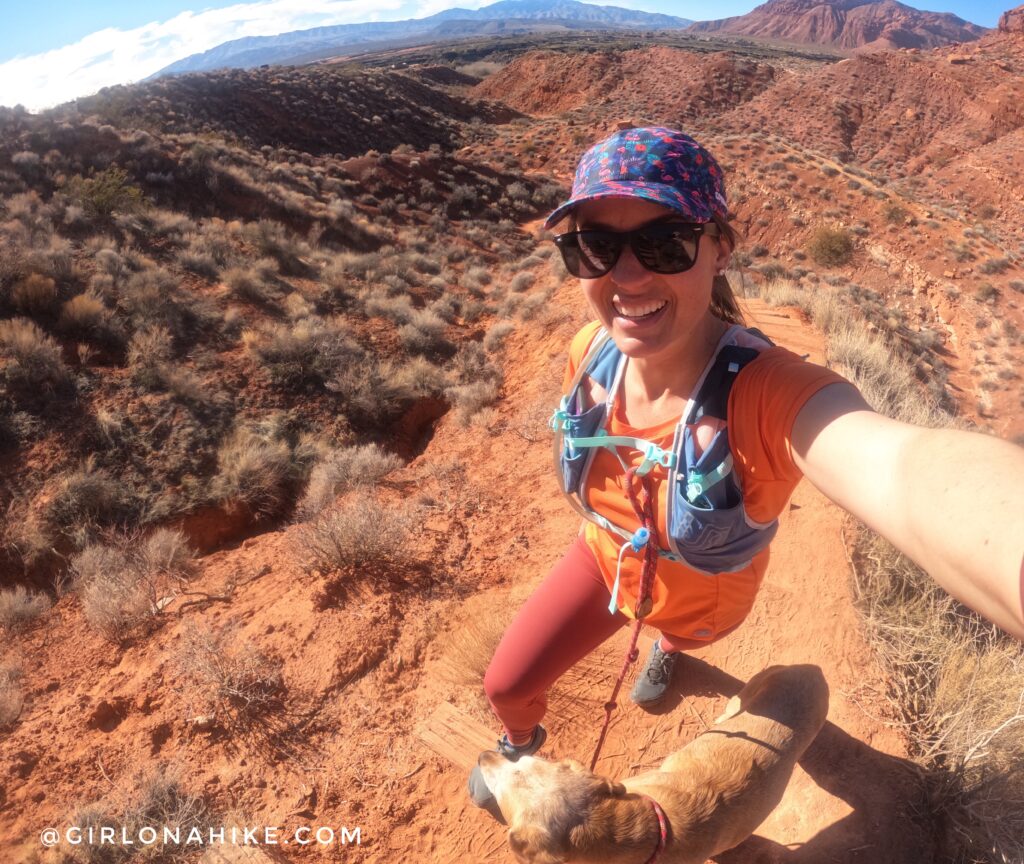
(708, 527)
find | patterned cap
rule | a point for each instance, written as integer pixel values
(654, 163)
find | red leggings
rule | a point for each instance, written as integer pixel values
(565, 619)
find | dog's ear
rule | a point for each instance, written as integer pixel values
(532, 845)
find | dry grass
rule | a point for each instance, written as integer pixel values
(19, 607)
(362, 533)
(341, 470)
(33, 358)
(256, 471)
(152, 797)
(11, 697)
(121, 583)
(958, 682)
(80, 506)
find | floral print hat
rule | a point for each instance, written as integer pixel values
(654, 163)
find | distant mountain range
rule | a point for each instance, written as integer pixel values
(847, 24)
(842, 23)
(507, 16)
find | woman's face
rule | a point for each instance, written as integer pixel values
(620, 297)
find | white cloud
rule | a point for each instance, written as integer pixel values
(113, 56)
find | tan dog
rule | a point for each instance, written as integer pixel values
(713, 793)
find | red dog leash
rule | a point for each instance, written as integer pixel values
(645, 515)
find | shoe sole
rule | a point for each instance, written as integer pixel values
(650, 703)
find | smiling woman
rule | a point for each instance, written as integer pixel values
(682, 435)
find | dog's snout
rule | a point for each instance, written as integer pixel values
(488, 757)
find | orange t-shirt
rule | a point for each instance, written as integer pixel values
(765, 399)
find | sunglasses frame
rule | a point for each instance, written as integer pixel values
(563, 241)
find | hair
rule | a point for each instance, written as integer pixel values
(723, 300)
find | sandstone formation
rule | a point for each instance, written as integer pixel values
(847, 24)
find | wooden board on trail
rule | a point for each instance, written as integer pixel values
(455, 737)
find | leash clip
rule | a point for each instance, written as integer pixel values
(639, 539)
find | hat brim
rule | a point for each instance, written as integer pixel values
(667, 196)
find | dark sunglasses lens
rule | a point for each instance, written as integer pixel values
(667, 248)
(598, 252)
(589, 254)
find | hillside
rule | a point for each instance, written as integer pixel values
(277, 352)
(847, 24)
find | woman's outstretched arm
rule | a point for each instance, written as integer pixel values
(951, 501)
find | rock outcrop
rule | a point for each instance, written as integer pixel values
(1012, 21)
(847, 24)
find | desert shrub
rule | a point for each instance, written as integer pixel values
(296, 306)
(496, 335)
(398, 308)
(19, 607)
(531, 306)
(372, 391)
(254, 284)
(344, 469)
(470, 399)
(830, 247)
(255, 471)
(273, 239)
(446, 307)
(105, 193)
(82, 503)
(522, 281)
(119, 598)
(994, 265)
(34, 295)
(475, 278)
(120, 581)
(25, 161)
(234, 683)
(85, 316)
(34, 360)
(424, 333)
(11, 696)
(986, 292)
(957, 680)
(896, 215)
(166, 552)
(359, 535)
(303, 355)
(148, 351)
(150, 297)
(148, 798)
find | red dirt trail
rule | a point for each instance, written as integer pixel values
(371, 665)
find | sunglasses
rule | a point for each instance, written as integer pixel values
(666, 247)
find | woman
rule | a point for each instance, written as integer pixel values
(648, 237)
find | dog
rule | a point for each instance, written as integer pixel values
(711, 795)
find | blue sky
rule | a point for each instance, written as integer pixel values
(55, 50)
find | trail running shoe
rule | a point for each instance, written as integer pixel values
(652, 682)
(478, 790)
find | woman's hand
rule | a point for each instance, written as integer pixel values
(952, 501)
